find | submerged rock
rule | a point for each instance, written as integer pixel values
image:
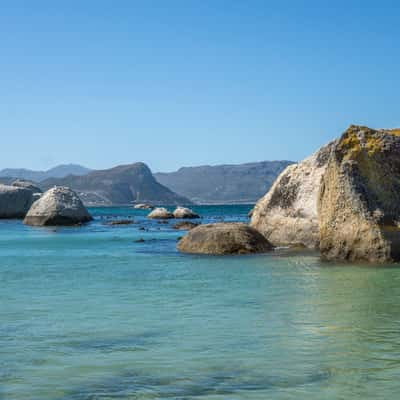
(121, 222)
(143, 206)
(359, 200)
(160, 213)
(15, 201)
(183, 212)
(185, 226)
(287, 214)
(58, 206)
(224, 238)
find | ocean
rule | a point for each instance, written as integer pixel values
(94, 312)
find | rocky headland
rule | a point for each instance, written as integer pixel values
(121, 185)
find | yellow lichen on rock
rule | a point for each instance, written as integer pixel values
(344, 199)
(360, 139)
(350, 144)
(359, 200)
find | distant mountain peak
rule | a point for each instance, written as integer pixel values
(59, 171)
(123, 184)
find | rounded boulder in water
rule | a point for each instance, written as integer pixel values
(224, 238)
(185, 213)
(58, 206)
(160, 213)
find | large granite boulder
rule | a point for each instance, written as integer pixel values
(185, 213)
(36, 191)
(15, 201)
(57, 206)
(359, 199)
(160, 213)
(224, 238)
(287, 214)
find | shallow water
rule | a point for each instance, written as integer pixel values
(88, 313)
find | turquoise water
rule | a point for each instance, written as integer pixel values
(88, 313)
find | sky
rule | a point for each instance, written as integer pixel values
(181, 83)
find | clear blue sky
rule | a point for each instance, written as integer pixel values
(175, 83)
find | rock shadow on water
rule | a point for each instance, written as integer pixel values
(225, 383)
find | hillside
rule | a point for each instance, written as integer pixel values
(242, 183)
(123, 184)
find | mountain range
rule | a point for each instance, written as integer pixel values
(241, 183)
(125, 184)
(60, 171)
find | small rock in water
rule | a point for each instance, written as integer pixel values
(121, 222)
(160, 213)
(143, 206)
(183, 212)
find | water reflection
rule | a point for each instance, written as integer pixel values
(96, 316)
